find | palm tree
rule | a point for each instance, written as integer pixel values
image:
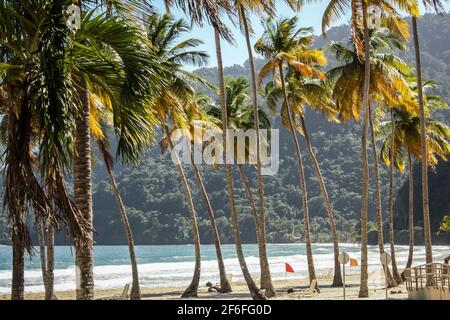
(243, 8)
(46, 247)
(119, 35)
(40, 231)
(171, 110)
(225, 285)
(390, 280)
(361, 38)
(120, 76)
(199, 120)
(167, 4)
(192, 289)
(402, 140)
(163, 31)
(240, 117)
(135, 289)
(108, 160)
(387, 79)
(82, 184)
(50, 259)
(42, 45)
(266, 279)
(364, 291)
(254, 290)
(438, 7)
(302, 92)
(317, 96)
(306, 56)
(395, 273)
(34, 35)
(284, 43)
(210, 11)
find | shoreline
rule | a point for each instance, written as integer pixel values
(240, 292)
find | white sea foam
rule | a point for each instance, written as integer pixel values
(179, 273)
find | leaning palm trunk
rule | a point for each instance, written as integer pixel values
(364, 289)
(254, 290)
(135, 288)
(192, 289)
(410, 211)
(337, 279)
(423, 132)
(251, 201)
(301, 174)
(390, 280)
(225, 286)
(395, 273)
(82, 173)
(266, 277)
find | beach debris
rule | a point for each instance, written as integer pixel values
(396, 291)
(212, 288)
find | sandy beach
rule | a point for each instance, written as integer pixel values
(240, 292)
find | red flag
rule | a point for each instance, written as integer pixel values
(289, 268)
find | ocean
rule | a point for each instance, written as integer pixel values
(172, 265)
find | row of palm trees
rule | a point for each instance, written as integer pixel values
(65, 87)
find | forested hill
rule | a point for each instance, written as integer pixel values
(158, 213)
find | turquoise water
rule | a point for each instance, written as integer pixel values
(172, 265)
(118, 255)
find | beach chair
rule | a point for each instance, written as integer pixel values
(309, 292)
(229, 277)
(327, 274)
(124, 294)
(375, 280)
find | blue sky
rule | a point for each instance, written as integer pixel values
(309, 16)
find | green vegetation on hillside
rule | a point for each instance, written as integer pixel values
(153, 196)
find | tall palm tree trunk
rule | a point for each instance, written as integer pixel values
(337, 279)
(82, 173)
(251, 201)
(42, 253)
(49, 292)
(253, 289)
(395, 273)
(135, 293)
(225, 286)
(18, 270)
(266, 277)
(364, 289)
(425, 200)
(192, 289)
(15, 201)
(167, 4)
(410, 211)
(390, 280)
(301, 174)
